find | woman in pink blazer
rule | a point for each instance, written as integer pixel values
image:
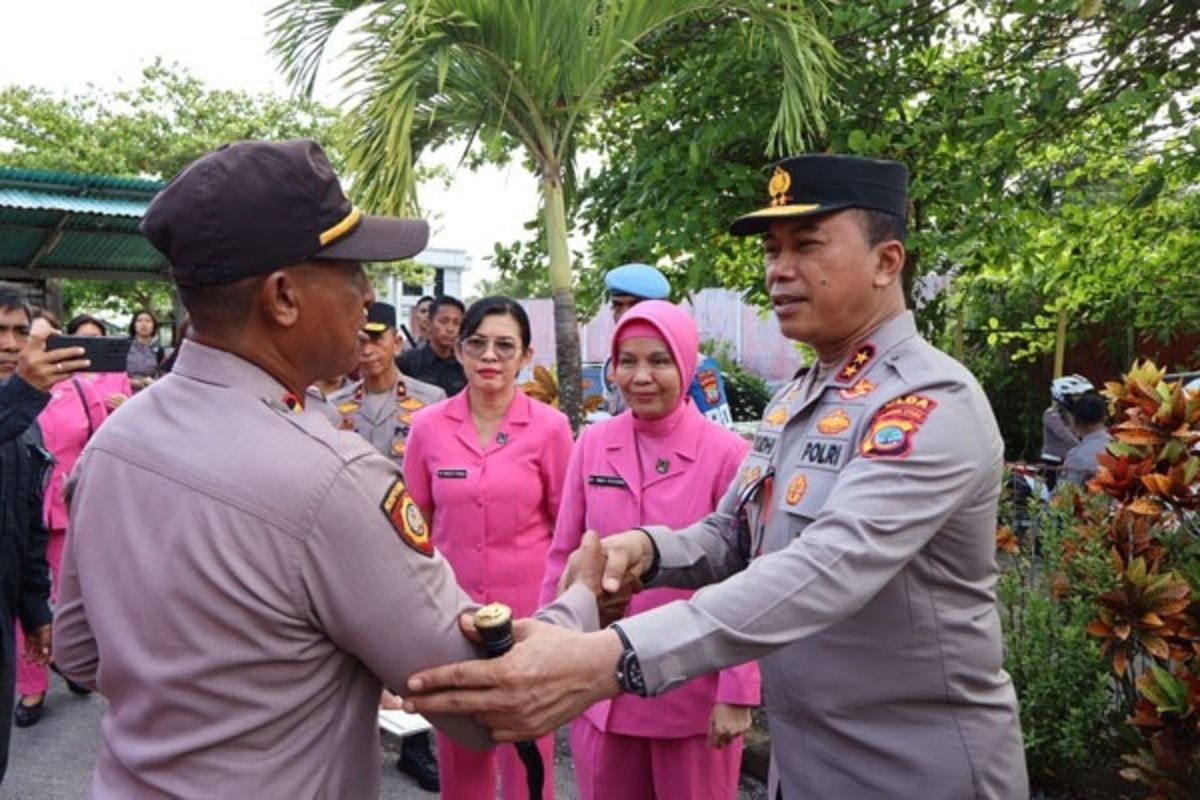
(114, 387)
(660, 462)
(67, 422)
(486, 466)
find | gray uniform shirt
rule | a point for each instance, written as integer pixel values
(856, 559)
(239, 579)
(382, 418)
(1081, 463)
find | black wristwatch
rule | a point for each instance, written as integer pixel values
(629, 669)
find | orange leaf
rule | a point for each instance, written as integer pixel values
(1156, 646)
(1120, 663)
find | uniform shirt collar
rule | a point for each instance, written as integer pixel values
(222, 368)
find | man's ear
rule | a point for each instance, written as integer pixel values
(280, 297)
(890, 257)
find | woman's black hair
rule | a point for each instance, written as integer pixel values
(79, 321)
(491, 306)
(133, 322)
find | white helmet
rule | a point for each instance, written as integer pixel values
(1068, 387)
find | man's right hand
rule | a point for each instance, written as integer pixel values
(627, 557)
(42, 368)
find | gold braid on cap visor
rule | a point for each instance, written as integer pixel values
(339, 230)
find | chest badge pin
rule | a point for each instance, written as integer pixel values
(662, 466)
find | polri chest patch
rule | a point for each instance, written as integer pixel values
(823, 453)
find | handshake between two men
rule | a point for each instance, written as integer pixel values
(551, 674)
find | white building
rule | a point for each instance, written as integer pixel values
(449, 267)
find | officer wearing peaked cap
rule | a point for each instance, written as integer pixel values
(379, 407)
(854, 554)
(242, 623)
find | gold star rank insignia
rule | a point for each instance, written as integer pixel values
(856, 363)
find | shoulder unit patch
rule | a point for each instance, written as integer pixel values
(896, 425)
(400, 509)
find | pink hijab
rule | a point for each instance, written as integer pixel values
(670, 324)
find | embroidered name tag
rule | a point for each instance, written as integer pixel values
(452, 473)
(765, 445)
(606, 480)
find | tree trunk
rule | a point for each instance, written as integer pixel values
(566, 322)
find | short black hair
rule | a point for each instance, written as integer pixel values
(425, 298)
(134, 318)
(496, 305)
(444, 300)
(14, 297)
(79, 320)
(880, 226)
(1090, 408)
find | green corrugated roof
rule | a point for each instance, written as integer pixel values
(56, 224)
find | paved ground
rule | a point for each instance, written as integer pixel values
(53, 759)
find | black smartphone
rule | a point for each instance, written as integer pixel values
(106, 354)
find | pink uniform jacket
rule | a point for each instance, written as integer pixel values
(493, 509)
(65, 429)
(691, 465)
(108, 383)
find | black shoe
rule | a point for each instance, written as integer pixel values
(417, 761)
(75, 688)
(25, 716)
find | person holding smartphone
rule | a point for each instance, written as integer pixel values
(113, 386)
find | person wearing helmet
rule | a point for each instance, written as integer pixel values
(629, 285)
(1058, 435)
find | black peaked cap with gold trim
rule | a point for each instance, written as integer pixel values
(380, 317)
(803, 186)
(248, 208)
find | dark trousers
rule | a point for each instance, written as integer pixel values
(8, 680)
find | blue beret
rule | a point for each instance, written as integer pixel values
(639, 280)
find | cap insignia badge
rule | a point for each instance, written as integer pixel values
(778, 186)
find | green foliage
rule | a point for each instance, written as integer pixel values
(118, 299)
(1046, 591)
(1053, 151)
(523, 76)
(150, 131)
(747, 393)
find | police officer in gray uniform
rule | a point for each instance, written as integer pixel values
(854, 555)
(242, 578)
(379, 406)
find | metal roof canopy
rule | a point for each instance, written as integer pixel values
(68, 225)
